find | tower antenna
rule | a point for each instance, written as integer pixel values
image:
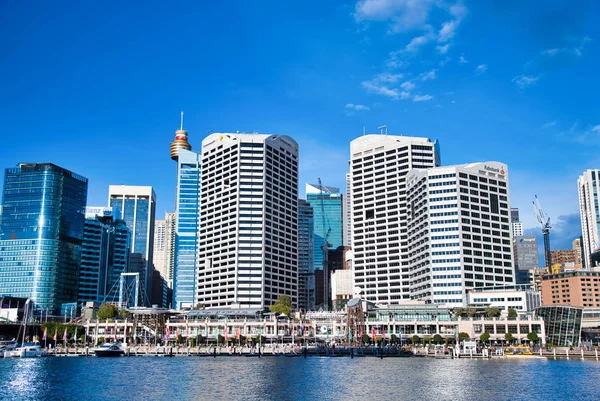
(181, 127)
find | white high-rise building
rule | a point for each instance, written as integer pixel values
(588, 185)
(378, 166)
(248, 241)
(347, 213)
(515, 222)
(164, 247)
(459, 231)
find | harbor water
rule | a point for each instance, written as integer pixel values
(282, 378)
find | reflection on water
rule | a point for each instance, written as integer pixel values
(281, 378)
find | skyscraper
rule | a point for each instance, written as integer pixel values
(137, 205)
(41, 233)
(248, 250)
(187, 216)
(516, 225)
(378, 166)
(525, 251)
(459, 234)
(164, 247)
(347, 213)
(589, 211)
(306, 268)
(104, 255)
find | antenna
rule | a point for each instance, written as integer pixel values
(381, 128)
(364, 130)
(181, 127)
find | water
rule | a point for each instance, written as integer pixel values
(280, 378)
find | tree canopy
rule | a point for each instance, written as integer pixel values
(107, 311)
(532, 336)
(492, 312)
(508, 337)
(512, 313)
(283, 305)
(437, 339)
(463, 336)
(484, 337)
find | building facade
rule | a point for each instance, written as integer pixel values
(525, 250)
(104, 255)
(164, 247)
(566, 257)
(41, 232)
(576, 288)
(515, 222)
(589, 212)
(248, 242)
(137, 205)
(518, 297)
(306, 268)
(378, 168)
(459, 234)
(347, 213)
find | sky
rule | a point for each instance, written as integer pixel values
(98, 87)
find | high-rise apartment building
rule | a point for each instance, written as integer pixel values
(459, 234)
(525, 252)
(164, 247)
(104, 255)
(589, 211)
(575, 288)
(187, 225)
(517, 226)
(306, 268)
(347, 213)
(137, 205)
(248, 243)
(41, 233)
(378, 168)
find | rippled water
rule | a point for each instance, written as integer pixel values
(280, 378)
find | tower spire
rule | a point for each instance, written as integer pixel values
(181, 126)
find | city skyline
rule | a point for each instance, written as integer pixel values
(533, 86)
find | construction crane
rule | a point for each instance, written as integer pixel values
(324, 248)
(544, 221)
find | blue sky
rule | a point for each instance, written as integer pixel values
(97, 87)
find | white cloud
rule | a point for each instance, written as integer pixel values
(523, 81)
(374, 87)
(577, 51)
(404, 95)
(387, 77)
(481, 68)
(549, 124)
(428, 75)
(357, 107)
(448, 30)
(404, 14)
(443, 49)
(408, 86)
(596, 129)
(463, 60)
(416, 43)
(423, 98)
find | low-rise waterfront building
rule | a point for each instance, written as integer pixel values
(576, 288)
(518, 297)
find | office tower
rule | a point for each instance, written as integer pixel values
(41, 233)
(104, 255)
(459, 231)
(516, 225)
(525, 252)
(327, 207)
(306, 268)
(137, 205)
(347, 213)
(248, 252)
(164, 247)
(187, 224)
(589, 211)
(378, 166)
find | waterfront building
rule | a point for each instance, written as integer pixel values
(347, 213)
(562, 324)
(515, 223)
(248, 241)
(576, 288)
(342, 288)
(525, 250)
(306, 269)
(518, 297)
(41, 232)
(137, 205)
(589, 212)
(104, 255)
(164, 247)
(458, 231)
(378, 166)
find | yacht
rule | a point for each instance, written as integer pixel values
(26, 350)
(7, 346)
(109, 350)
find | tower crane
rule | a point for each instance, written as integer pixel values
(544, 221)
(324, 248)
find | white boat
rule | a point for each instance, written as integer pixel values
(26, 350)
(7, 346)
(109, 350)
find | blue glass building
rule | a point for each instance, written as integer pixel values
(41, 232)
(306, 268)
(104, 255)
(328, 222)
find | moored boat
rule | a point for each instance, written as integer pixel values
(109, 350)
(26, 350)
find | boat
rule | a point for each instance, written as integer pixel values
(109, 350)
(26, 350)
(7, 346)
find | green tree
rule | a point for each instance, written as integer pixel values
(416, 339)
(198, 306)
(180, 339)
(366, 339)
(107, 311)
(508, 337)
(124, 313)
(463, 336)
(283, 305)
(532, 337)
(200, 339)
(512, 313)
(493, 312)
(437, 339)
(220, 339)
(260, 339)
(484, 337)
(394, 339)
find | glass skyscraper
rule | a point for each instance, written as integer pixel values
(328, 222)
(104, 255)
(306, 268)
(41, 232)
